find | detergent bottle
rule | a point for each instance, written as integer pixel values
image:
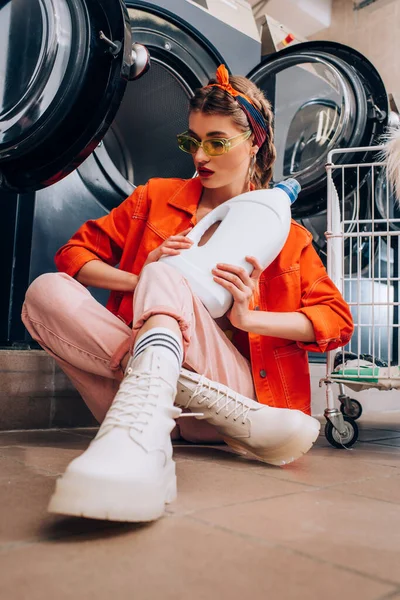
(255, 223)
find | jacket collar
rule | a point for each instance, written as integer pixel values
(187, 196)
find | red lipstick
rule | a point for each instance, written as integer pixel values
(204, 172)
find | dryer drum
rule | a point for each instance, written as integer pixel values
(142, 139)
(61, 87)
(85, 91)
(324, 96)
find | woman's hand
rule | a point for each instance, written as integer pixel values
(241, 285)
(170, 247)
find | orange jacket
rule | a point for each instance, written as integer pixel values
(295, 281)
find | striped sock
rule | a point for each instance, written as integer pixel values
(166, 341)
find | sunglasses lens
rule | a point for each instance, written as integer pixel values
(214, 147)
(187, 144)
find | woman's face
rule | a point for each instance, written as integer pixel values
(229, 168)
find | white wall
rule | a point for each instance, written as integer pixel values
(302, 17)
(374, 31)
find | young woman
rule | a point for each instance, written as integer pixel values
(155, 350)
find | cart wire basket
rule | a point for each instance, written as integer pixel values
(363, 228)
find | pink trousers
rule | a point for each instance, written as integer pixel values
(88, 341)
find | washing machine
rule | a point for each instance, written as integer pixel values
(76, 135)
(325, 96)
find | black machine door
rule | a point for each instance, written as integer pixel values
(141, 141)
(76, 132)
(64, 65)
(325, 96)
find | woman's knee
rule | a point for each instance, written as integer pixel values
(160, 273)
(48, 291)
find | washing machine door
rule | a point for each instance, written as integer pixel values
(64, 65)
(325, 96)
(141, 142)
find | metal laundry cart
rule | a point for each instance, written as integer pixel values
(363, 228)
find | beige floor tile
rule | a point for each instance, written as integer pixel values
(202, 485)
(312, 469)
(198, 452)
(51, 438)
(89, 432)
(52, 461)
(173, 559)
(24, 496)
(378, 454)
(47, 452)
(370, 434)
(29, 473)
(220, 454)
(395, 441)
(238, 528)
(362, 452)
(322, 471)
(380, 488)
(352, 531)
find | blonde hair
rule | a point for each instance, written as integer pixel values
(214, 100)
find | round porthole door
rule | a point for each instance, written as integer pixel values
(141, 141)
(325, 96)
(64, 65)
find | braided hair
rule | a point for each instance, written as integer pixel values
(214, 100)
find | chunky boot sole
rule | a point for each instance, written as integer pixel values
(85, 496)
(299, 444)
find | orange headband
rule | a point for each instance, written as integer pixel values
(222, 77)
(254, 115)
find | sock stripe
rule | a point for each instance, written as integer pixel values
(148, 340)
(166, 343)
(162, 339)
(178, 356)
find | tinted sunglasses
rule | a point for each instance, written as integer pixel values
(212, 146)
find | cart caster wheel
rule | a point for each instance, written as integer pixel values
(354, 411)
(342, 441)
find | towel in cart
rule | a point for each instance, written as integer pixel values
(362, 372)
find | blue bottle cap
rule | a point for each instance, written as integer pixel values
(291, 187)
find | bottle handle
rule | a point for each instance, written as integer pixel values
(217, 214)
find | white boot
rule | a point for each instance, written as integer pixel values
(127, 472)
(274, 435)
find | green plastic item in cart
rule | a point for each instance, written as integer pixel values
(362, 377)
(360, 374)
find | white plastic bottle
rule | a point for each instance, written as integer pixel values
(255, 223)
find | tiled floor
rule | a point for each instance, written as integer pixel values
(327, 526)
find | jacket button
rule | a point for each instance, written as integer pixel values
(263, 373)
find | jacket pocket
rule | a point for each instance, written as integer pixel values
(294, 373)
(282, 292)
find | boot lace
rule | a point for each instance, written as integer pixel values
(230, 402)
(132, 406)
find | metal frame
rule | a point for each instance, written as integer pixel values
(363, 261)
